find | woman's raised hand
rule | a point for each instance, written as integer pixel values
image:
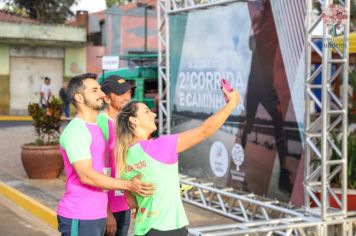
(233, 97)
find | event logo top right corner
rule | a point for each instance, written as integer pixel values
(334, 15)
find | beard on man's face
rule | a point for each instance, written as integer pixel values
(95, 106)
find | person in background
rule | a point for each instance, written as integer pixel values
(45, 92)
(118, 93)
(82, 210)
(64, 97)
(157, 159)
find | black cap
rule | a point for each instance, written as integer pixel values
(116, 84)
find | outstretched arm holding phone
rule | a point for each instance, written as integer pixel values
(194, 136)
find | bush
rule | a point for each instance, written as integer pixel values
(47, 121)
(351, 163)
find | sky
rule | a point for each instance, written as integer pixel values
(89, 5)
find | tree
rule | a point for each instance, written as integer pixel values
(110, 3)
(353, 16)
(47, 11)
(14, 10)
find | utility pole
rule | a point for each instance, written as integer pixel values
(145, 27)
(146, 8)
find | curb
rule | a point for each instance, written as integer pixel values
(37, 209)
(15, 118)
(27, 118)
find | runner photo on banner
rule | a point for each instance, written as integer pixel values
(259, 148)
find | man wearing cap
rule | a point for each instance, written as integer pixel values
(118, 92)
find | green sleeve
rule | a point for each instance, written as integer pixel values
(76, 140)
(103, 122)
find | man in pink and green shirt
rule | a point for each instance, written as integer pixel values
(82, 209)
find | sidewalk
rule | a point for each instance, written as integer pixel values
(45, 194)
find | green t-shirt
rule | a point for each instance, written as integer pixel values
(157, 160)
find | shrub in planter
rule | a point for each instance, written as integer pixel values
(351, 172)
(42, 159)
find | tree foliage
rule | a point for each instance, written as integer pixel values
(110, 3)
(47, 11)
(47, 122)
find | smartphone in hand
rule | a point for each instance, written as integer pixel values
(225, 84)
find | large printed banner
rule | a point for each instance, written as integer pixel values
(258, 149)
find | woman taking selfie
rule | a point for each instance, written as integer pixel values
(157, 161)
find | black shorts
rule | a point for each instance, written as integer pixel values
(175, 232)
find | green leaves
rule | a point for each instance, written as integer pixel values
(351, 152)
(46, 121)
(46, 11)
(110, 3)
(351, 167)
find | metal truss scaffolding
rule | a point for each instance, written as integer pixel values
(326, 131)
(164, 117)
(325, 134)
(255, 215)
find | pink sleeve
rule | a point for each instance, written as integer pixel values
(162, 149)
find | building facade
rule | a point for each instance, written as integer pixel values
(31, 51)
(120, 30)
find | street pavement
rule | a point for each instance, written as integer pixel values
(4, 124)
(48, 192)
(14, 221)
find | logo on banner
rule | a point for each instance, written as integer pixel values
(334, 14)
(219, 159)
(238, 155)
